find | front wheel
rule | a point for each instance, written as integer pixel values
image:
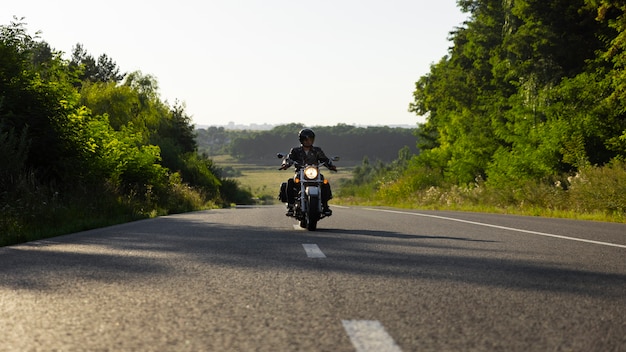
(303, 219)
(312, 214)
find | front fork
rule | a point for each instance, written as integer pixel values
(310, 192)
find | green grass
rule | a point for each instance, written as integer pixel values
(263, 179)
(510, 210)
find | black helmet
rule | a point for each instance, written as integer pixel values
(306, 133)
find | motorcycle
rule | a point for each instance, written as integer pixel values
(308, 201)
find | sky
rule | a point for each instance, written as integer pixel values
(318, 63)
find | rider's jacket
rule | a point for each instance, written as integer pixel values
(314, 156)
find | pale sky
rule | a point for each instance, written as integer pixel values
(262, 61)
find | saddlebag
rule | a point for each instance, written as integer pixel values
(282, 195)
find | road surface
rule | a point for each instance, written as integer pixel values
(370, 279)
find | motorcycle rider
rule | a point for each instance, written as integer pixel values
(306, 153)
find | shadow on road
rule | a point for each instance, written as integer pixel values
(156, 247)
(391, 234)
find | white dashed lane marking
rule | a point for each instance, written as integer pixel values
(369, 335)
(313, 251)
(365, 335)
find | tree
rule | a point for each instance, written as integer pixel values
(36, 96)
(612, 14)
(76, 143)
(102, 70)
(491, 104)
(179, 128)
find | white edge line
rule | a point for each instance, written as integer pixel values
(500, 227)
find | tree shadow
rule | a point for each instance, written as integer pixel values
(134, 251)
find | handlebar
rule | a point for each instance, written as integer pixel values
(298, 166)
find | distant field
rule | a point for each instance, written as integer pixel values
(263, 181)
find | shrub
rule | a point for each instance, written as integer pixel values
(600, 189)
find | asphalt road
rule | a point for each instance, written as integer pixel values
(247, 279)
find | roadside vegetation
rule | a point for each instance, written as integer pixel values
(593, 193)
(526, 114)
(83, 145)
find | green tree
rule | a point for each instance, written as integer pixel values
(490, 104)
(612, 124)
(36, 96)
(91, 70)
(134, 103)
(177, 126)
(77, 144)
(460, 96)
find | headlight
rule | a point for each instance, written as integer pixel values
(310, 172)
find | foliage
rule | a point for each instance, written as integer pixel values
(527, 94)
(367, 178)
(77, 142)
(594, 193)
(599, 188)
(13, 153)
(90, 70)
(530, 94)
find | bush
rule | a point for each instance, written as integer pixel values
(603, 189)
(595, 192)
(231, 193)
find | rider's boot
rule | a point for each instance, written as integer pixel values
(289, 209)
(326, 210)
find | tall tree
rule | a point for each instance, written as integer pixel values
(612, 13)
(102, 70)
(36, 97)
(491, 104)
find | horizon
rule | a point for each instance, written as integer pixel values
(266, 126)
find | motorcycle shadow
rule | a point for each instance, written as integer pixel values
(390, 234)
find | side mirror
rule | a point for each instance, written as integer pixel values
(335, 158)
(280, 155)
